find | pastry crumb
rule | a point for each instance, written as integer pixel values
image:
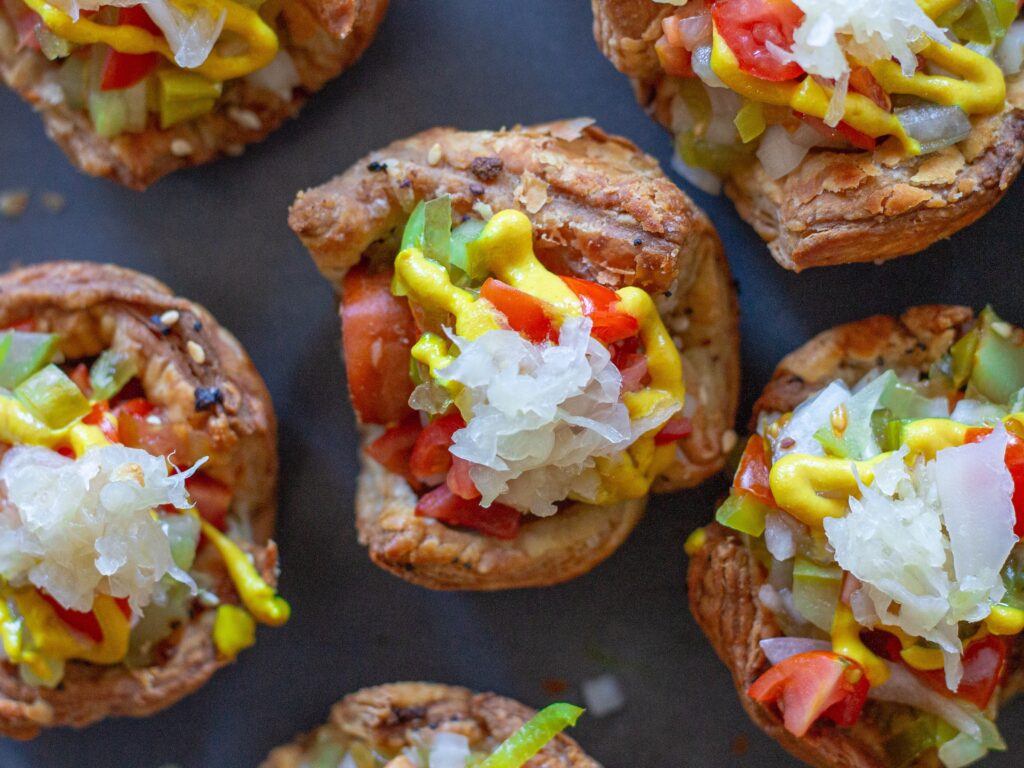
(54, 202)
(181, 148)
(14, 202)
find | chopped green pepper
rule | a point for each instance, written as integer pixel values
(412, 235)
(437, 229)
(925, 732)
(816, 591)
(743, 513)
(23, 353)
(998, 370)
(109, 373)
(986, 21)
(532, 736)
(53, 397)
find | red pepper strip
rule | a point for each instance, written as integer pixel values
(525, 314)
(675, 429)
(753, 473)
(430, 457)
(84, 622)
(393, 449)
(1014, 463)
(123, 70)
(812, 685)
(497, 520)
(984, 663)
(598, 303)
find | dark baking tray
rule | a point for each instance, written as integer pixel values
(218, 235)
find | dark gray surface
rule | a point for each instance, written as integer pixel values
(218, 235)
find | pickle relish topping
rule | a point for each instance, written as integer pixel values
(779, 77)
(99, 530)
(889, 517)
(528, 388)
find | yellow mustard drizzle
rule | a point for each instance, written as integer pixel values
(234, 630)
(261, 38)
(846, 642)
(978, 85)
(505, 250)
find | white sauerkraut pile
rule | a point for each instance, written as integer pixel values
(79, 528)
(541, 415)
(928, 542)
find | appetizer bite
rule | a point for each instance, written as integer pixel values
(863, 581)
(539, 328)
(844, 131)
(134, 89)
(137, 475)
(424, 725)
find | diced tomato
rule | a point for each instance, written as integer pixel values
(123, 70)
(80, 375)
(747, 26)
(25, 24)
(84, 622)
(430, 457)
(25, 325)
(212, 498)
(378, 332)
(813, 685)
(753, 472)
(674, 59)
(864, 83)
(984, 662)
(526, 314)
(141, 425)
(497, 520)
(675, 429)
(633, 368)
(393, 449)
(598, 303)
(1014, 463)
(882, 643)
(840, 132)
(621, 352)
(459, 482)
(66, 451)
(98, 417)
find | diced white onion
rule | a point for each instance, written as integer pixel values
(279, 76)
(778, 649)
(701, 62)
(1010, 53)
(961, 751)
(695, 31)
(778, 154)
(780, 533)
(602, 695)
(190, 36)
(449, 750)
(935, 126)
(701, 178)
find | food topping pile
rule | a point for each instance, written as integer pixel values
(888, 518)
(524, 388)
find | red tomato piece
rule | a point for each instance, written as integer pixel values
(1014, 463)
(459, 482)
(882, 643)
(212, 498)
(141, 425)
(497, 520)
(984, 663)
(84, 622)
(526, 314)
(393, 449)
(378, 332)
(813, 685)
(598, 303)
(841, 132)
(674, 59)
(430, 457)
(592, 296)
(100, 417)
(676, 428)
(752, 474)
(25, 25)
(633, 368)
(123, 70)
(747, 26)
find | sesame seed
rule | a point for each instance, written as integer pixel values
(376, 166)
(170, 317)
(196, 352)
(729, 440)
(245, 118)
(181, 148)
(434, 155)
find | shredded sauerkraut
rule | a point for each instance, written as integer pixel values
(541, 414)
(928, 542)
(79, 528)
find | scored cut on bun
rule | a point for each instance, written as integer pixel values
(601, 210)
(95, 307)
(837, 207)
(391, 717)
(323, 38)
(725, 575)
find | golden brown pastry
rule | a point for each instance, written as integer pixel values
(828, 592)
(108, 378)
(135, 118)
(397, 725)
(900, 174)
(562, 199)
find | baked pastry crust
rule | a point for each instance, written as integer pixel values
(323, 37)
(95, 307)
(389, 715)
(838, 207)
(602, 210)
(724, 577)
